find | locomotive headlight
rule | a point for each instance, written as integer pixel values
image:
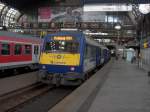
(72, 68)
(43, 67)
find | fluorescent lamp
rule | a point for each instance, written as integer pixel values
(117, 27)
(98, 33)
(69, 29)
(103, 40)
(1, 27)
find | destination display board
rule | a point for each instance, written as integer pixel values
(63, 38)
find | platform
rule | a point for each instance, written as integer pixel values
(127, 89)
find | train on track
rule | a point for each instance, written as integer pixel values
(18, 50)
(67, 58)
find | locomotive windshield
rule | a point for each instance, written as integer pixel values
(62, 46)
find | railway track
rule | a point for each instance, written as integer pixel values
(14, 83)
(31, 100)
(40, 98)
(12, 100)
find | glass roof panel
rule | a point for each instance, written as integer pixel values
(11, 16)
(1, 5)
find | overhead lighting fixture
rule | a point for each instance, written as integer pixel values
(1, 28)
(117, 27)
(104, 40)
(98, 33)
(107, 8)
(68, 29)
(144, 8)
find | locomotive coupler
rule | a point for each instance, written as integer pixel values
(57, 79)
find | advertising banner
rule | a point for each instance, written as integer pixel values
(44, 14)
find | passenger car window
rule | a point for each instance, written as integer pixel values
(5, 49)
(36, 49)
(27, 49)
(18, 49)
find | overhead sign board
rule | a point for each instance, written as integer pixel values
(107, 8)
(115, 1)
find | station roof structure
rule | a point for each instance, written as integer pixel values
(127, 19)
(28, 4)
(24, 4)
(8, 15)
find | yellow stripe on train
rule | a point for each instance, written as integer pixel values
(60, 59)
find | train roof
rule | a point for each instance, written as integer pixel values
(13, 34)
(10, 36)
(93, 42)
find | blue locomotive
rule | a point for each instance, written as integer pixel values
(67, 57)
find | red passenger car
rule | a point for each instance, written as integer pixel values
(18, 50)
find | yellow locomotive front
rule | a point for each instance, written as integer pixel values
(60, 50)
(60, 60)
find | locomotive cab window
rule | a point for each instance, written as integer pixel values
(27, 49)
(62, 46)
(18, 49)
(5, 49)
